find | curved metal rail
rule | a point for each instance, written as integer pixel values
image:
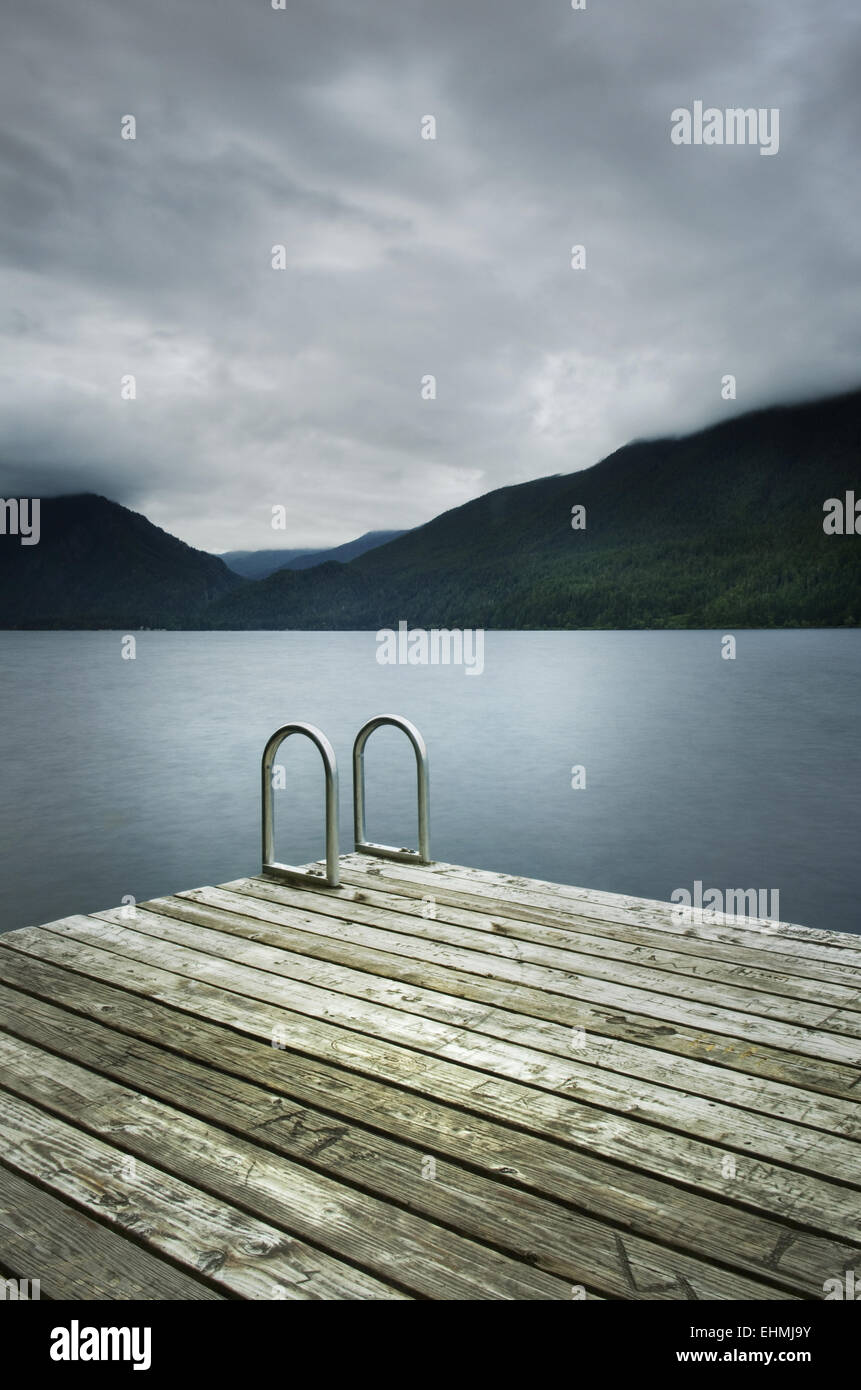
(330, 766)
(363, 846)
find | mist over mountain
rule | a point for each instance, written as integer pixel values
(257, 564)
(719, 528)
(722, 527)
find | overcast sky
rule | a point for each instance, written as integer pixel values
(406, 256)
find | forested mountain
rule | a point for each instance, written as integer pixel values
(722, 528)
(97, 564)
(719, 528)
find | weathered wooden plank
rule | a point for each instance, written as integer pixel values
(822, 1206)
(250, 1258)
(124, 939)
(841, 1014)
(801, 942)
(709, 1097)
(559, 1241)
(518, 940)
(629, 1200)
(75, 1257)
(539, 890)
(397, 1245)
(763, 1060)
(522, 887)
(262, 922)
(493, 1039)
(649, 1064)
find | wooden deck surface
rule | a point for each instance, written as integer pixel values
(434, 1082)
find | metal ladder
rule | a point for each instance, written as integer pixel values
(273, 869)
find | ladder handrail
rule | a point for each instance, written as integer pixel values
(363, 846)
(327, 753)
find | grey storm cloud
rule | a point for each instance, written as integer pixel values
(404, 256)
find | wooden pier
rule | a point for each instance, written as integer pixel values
(431, 1082)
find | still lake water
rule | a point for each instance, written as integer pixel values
(142, 777)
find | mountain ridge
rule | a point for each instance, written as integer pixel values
(99, 564)
(722, 527)
(259, 564)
